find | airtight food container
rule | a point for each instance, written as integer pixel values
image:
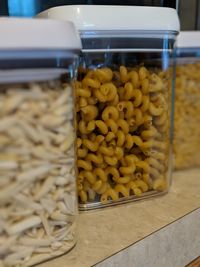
(38, 61)
(187, 105)
(124, 101)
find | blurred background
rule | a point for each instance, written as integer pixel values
(189, 11)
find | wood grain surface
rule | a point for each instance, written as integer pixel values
(195, 263)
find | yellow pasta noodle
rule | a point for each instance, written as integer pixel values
(113, 143)
(108, 151)
(102, 126)
(129, 142)
(97, 159)
(145, 103)
(119, 152)
(86, 127)
(83, 102)
(91, 126)
(110, 136)
(123, 179)
(154, 173)
(92, 137)
(109, 90)
(145, 86)
(110, 160)
(82, 127)
(150, 133)
(132, 186)
(101, 174)
(113, 172)
(115, 101)
(89, 176)
(143, 165)
(110, 112)
(160, 184)
(103, 75)
(91, 82)
(100, 96)
(143, 73)
(97, 186)
(137, 95)
(155, 111)
(110, 193)
(92, 146)
(83, 92)
(103, 188)
(157, 155)
(147, 179)
(142, 185)
(134, 77)
(92, 100)
(128, 91)
(82, 152)
(123, 74)
(83, 196)
(123, 125)
(78, 142)
(83, 164)
(130, 166)
(121, 93)
(90, 112)
(128, 107)
(112, 125)
(161, 120)
(119, 188)
(156, 164)
(79, 186)
(120, 138)
(156, 83)
(138, 117)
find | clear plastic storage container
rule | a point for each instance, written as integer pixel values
(187, 105)
(123, 101)
(38, 206)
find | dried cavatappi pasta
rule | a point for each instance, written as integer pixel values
(123, 134)
(37, 173)
(187, 116)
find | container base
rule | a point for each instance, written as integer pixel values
(123, 200)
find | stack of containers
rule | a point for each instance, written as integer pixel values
(187, 107)
(38, 206)
(124, 101)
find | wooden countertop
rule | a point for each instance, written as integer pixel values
(106, 235)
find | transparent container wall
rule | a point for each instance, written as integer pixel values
(38, 201)
(124, 112)
(187, 110)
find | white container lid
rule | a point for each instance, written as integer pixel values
(188, 39)
(100, 17)
(38, 34)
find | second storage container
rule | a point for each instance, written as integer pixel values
(123, 101)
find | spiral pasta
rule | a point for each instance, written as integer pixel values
(122, 133)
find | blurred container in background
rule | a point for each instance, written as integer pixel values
(187, 105)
